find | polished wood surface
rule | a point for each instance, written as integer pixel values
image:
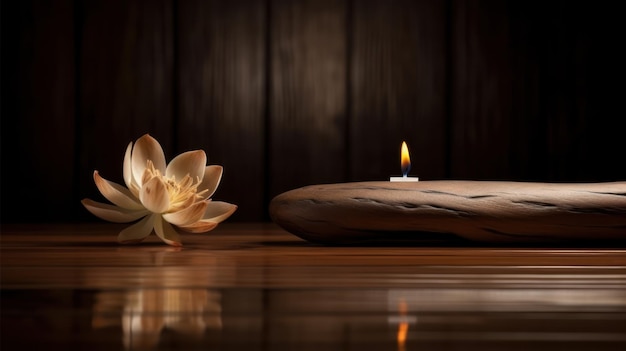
(257, 287)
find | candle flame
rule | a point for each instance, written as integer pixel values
(405, 160)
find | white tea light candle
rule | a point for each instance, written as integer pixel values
(405, 163)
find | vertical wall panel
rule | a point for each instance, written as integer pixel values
(38, 111)
(534, 91)
(126, 84)
(482, 94)
(526, 45)
(582, 93)
(547, 86)
(398, 88)
(307, 93)
(221, 96)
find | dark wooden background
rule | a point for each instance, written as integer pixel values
(289, 93)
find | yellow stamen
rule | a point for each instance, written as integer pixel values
(182, 193)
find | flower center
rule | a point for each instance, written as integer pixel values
(182, 193)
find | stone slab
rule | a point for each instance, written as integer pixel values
(484, 211)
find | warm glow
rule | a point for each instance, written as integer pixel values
(405, 160)
(403, 326)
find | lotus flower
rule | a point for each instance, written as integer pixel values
(167, 197)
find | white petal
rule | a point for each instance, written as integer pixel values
(128, 167)
(146, 148)
(138, 231)
(112, 213)
(190, 162)
(116, 193)
(217, 211)
(154, 195)
(128, 172)
(199, 227)
(166, 232)
(188, 215)
(212, 177)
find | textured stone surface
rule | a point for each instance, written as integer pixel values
(484, 211)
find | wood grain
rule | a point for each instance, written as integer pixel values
(481, 83)
(530, 91)
(38, 113)
(262, 255)
(126, 84)
(307, 97)
(221, 95)
(257, 287)
(398, 88)
(489, 212)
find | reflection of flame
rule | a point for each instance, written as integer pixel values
(145, 313)
(403, 326)
(405, 160)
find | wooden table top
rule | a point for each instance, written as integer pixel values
(255, 286)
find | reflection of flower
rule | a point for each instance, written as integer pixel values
(146, 312)
(163, 194)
